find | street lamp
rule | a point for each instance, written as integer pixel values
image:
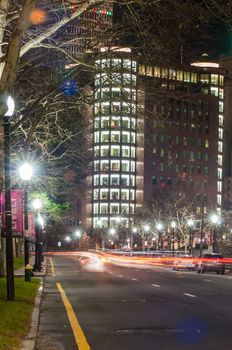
(173, 226)
(190, 224)
(112, 231)
(133, 231)
(214, 220)
(159, 227)
(78, 235)
(25, 172)
(37, 205)
(101, 233)
(146, 229)
(8, 212)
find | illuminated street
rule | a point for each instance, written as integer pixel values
(134, 307)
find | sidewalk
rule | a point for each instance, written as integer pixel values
(29, 342)
(21, 272)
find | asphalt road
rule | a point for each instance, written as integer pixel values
(131, 308)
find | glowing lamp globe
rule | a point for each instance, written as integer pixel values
(37, 204)
(25, 172)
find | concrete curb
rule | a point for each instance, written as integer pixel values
(29, 342)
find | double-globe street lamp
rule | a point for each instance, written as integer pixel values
(25, 172)
(8, 212)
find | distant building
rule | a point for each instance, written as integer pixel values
(88, 32)
(155, 129)
(184, 132)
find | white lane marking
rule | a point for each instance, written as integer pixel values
(120, 275)
(190, 295)
(208, 280)
(156, 285)
(134, 279)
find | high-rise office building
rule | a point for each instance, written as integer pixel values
(116, 178)
(155, 129)
(184, 132)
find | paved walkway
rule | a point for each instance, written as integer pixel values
(21, 270)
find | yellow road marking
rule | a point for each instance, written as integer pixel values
(52, 267)
(77, 331)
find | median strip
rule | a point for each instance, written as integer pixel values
(76, 328)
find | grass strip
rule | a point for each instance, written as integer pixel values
(18, 262)
(15, 316)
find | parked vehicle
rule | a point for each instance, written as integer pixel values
(211, 262)
(184, 263)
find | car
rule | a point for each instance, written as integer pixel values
(105, 260)
(211, 263)
(184, 263)
(84, 260)
(91, 263)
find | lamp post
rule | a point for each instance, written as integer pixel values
(8, 213)
(37, 204)
(173, 226)
(112, 232)
(101, 234)
(25, 172)
(133, 231)
(78, 235)
(190, 224)
(159, 227)
(146, 229)
(214, 220)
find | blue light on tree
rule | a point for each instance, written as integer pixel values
(69, 87)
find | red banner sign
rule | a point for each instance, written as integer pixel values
(31, 225)
(17, 211)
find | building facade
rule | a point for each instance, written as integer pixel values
(184, 150)
(156, 129)
(116, 180)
